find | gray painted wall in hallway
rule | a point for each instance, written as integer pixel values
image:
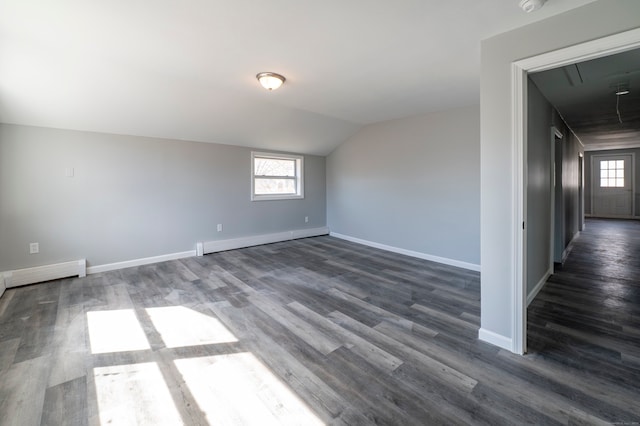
(539, 188)
(412, 184)
(571, 150)
(541, 117)
(132, 197)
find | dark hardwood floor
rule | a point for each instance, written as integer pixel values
(321, 331)
(586, 320)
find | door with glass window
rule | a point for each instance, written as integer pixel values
(612, 185)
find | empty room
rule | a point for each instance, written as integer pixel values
(285, 212)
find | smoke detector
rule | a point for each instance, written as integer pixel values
(531, 5)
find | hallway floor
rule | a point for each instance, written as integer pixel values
(586, 320)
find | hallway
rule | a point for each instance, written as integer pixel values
(587, 317)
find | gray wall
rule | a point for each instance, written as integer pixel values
(132, 197)
(411, 183)
(542, 116)
(589, 22)
(539, 189)
(571, 150)
(587, 175)
(567, 196)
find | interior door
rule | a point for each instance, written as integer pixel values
(612, 181)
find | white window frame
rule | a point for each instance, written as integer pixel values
(298, 178)
(608, 179)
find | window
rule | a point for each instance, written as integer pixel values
(276, 176)
(612, 174)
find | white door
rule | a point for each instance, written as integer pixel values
(612, 185)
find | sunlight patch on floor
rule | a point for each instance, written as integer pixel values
(115, 331)
(134, 394)
(180, 326)
(238, 389)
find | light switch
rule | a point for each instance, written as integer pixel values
(68, 172)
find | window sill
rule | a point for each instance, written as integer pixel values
(276, 197)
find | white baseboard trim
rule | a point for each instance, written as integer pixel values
(610, 217)
(495, 339)
(569, 247)
(256, 240)
(438, 259)
(534, 292)
(212, 247)
(139, 262)
(43, 273)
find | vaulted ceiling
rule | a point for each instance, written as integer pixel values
(186, 69)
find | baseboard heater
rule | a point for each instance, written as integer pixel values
(207, 247)
(40, 274)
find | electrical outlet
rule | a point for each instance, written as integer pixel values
(306, 219)
(219, 227)
(34, 248)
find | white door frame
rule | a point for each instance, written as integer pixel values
(555, 135)
(581, 192)
(589, 50)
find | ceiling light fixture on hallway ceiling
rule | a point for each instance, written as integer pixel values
(531, 5)
(619, 92)
(270, 80)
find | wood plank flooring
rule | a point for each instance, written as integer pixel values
(585, 323)
(321, 331)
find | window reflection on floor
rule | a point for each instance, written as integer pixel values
(238, 389)
(180, 326)
(227, 389)
(115, 331)
(134, 394)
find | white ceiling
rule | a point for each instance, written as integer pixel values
(185, 69)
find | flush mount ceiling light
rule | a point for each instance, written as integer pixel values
(531, 5)
(270, 80)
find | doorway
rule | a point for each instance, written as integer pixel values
(520, 69)
(612, 186)
(557, 212)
